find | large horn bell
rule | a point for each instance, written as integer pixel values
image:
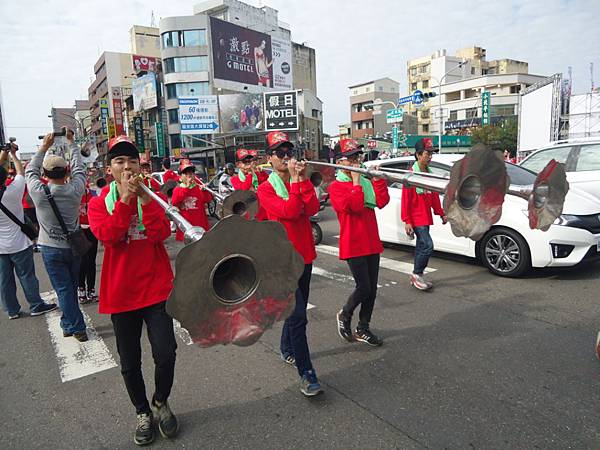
(475, 193)
(235, 282)
(238, 203)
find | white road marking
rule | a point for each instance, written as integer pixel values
(76, 359)
(334, 276)
(182, 333)
(386, 263)
(310, 306)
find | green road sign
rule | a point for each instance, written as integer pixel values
(394, 115)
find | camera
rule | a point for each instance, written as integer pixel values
(7, 147)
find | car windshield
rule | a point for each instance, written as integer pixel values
(520, 175)
(538, 161)
(589, 158)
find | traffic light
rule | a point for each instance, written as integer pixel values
(428, 95)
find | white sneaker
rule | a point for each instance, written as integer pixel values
(419, 282)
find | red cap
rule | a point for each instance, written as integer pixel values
(276, 139)
(427, 143)
(349, 147)
(120, 139)
(242, 153)
(185, 163)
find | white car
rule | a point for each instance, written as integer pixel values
(510, 248)
(581, 158)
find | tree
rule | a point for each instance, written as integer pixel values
(498, 137)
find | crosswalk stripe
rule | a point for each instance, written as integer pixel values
(386, 263)
(334, 276)
(182, 333)
(76, 359)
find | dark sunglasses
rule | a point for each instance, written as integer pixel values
(283, 152)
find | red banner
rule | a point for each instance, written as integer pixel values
(118, 111)
(144, 63)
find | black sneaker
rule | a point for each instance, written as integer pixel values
(367, 337)
(14, 316)
(43, 309)
(344, 328)
(167, 422)
(81, 336)
(144, 431)
(91, 295)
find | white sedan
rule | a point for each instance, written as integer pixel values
(510, 248)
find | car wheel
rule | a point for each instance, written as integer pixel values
(317, 232)
(504, 252)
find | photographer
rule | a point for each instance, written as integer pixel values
(16, 250)
(61, 263)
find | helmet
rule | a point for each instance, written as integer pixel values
(229, 166)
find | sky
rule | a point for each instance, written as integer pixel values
(49, 47)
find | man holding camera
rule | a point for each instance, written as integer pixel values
(16, 250)
(61, 264)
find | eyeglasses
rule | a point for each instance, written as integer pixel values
(351, 158)
(282, 153)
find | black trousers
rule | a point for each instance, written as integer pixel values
(365, 270)
(87, 269)
(128, 332)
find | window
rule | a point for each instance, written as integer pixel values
(175, 140)
(173, 115)
(502, 110)
(472, 70)
(515, 89)
(171, 39)
(315, 113)
(367, 89)
(425, 84)
(425, 114)
(484, 71)
(413, 71)
(471, 113)
(381, 88)
(194, 38)
(426, 128)
(589, 158)
(537, 162)
(424, 68)
(453, 115)
(413, 86)
(186, 89)
(186, 64)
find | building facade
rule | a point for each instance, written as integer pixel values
(145, 41)
(364, 122)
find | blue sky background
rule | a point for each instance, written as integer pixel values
(48, 48)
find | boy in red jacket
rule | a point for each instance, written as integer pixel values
(416, 207)
(136, 281)
(248, 178)
(354, 199)
(289, 197)
(190, 198)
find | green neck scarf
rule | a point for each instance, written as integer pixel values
(112, 198)
(192, 185)
(278, 185)
(367, 187)
(417, 169)
(242, 176)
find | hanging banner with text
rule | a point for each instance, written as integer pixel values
(199, 115)
(103, 102)
(282, 63)
(160, 139)
(138, 126)
(118, 111)
(281, 111)
(485, 108)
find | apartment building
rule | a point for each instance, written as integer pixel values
(362, 96)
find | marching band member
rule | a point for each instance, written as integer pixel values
(190, 198)
(354, 199)
(289, 197)
(136, 281)
(146, 170)
(416, 207)
(248, 177)
(169, 174)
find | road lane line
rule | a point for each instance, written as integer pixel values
(334, 276)
(76, 359)
(386, 263)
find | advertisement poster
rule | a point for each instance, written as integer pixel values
(240, 54)
(144, 92)
(199, 115)
(103, 102)
(282, 64)
(139, 134)
(144, 63)
(118, 111)
(241, 113)
(160, 139)
(281, 111)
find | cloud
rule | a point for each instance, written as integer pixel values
(49, 48)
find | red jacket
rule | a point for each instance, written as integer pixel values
(416, 208)
(136, 271)
(152, 184)
(359, 235)
(293, 213)
(247, 185)
(84, 207)
(191, 203)
(170, 175)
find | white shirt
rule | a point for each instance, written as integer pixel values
(12, 239)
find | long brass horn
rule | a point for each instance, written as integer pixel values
(228, 290)
(238, 203)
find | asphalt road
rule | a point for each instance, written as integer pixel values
(479, 362)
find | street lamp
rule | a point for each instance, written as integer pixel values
(440, 81)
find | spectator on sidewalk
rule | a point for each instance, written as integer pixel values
(61, 264)
(86, 292)
(16, 249)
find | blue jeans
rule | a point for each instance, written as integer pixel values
(423, 250)
(63, 269)
(20, 263)
(293, 335)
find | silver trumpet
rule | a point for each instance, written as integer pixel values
(474, 193)
(238, 203)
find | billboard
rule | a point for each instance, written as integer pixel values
(282, 63)
(144, 92)
(117, 110)
(240, 54)
(103, 102)
(281, 111)
(199, 115)
(241, 113)
(144, 63)
(535, 117)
